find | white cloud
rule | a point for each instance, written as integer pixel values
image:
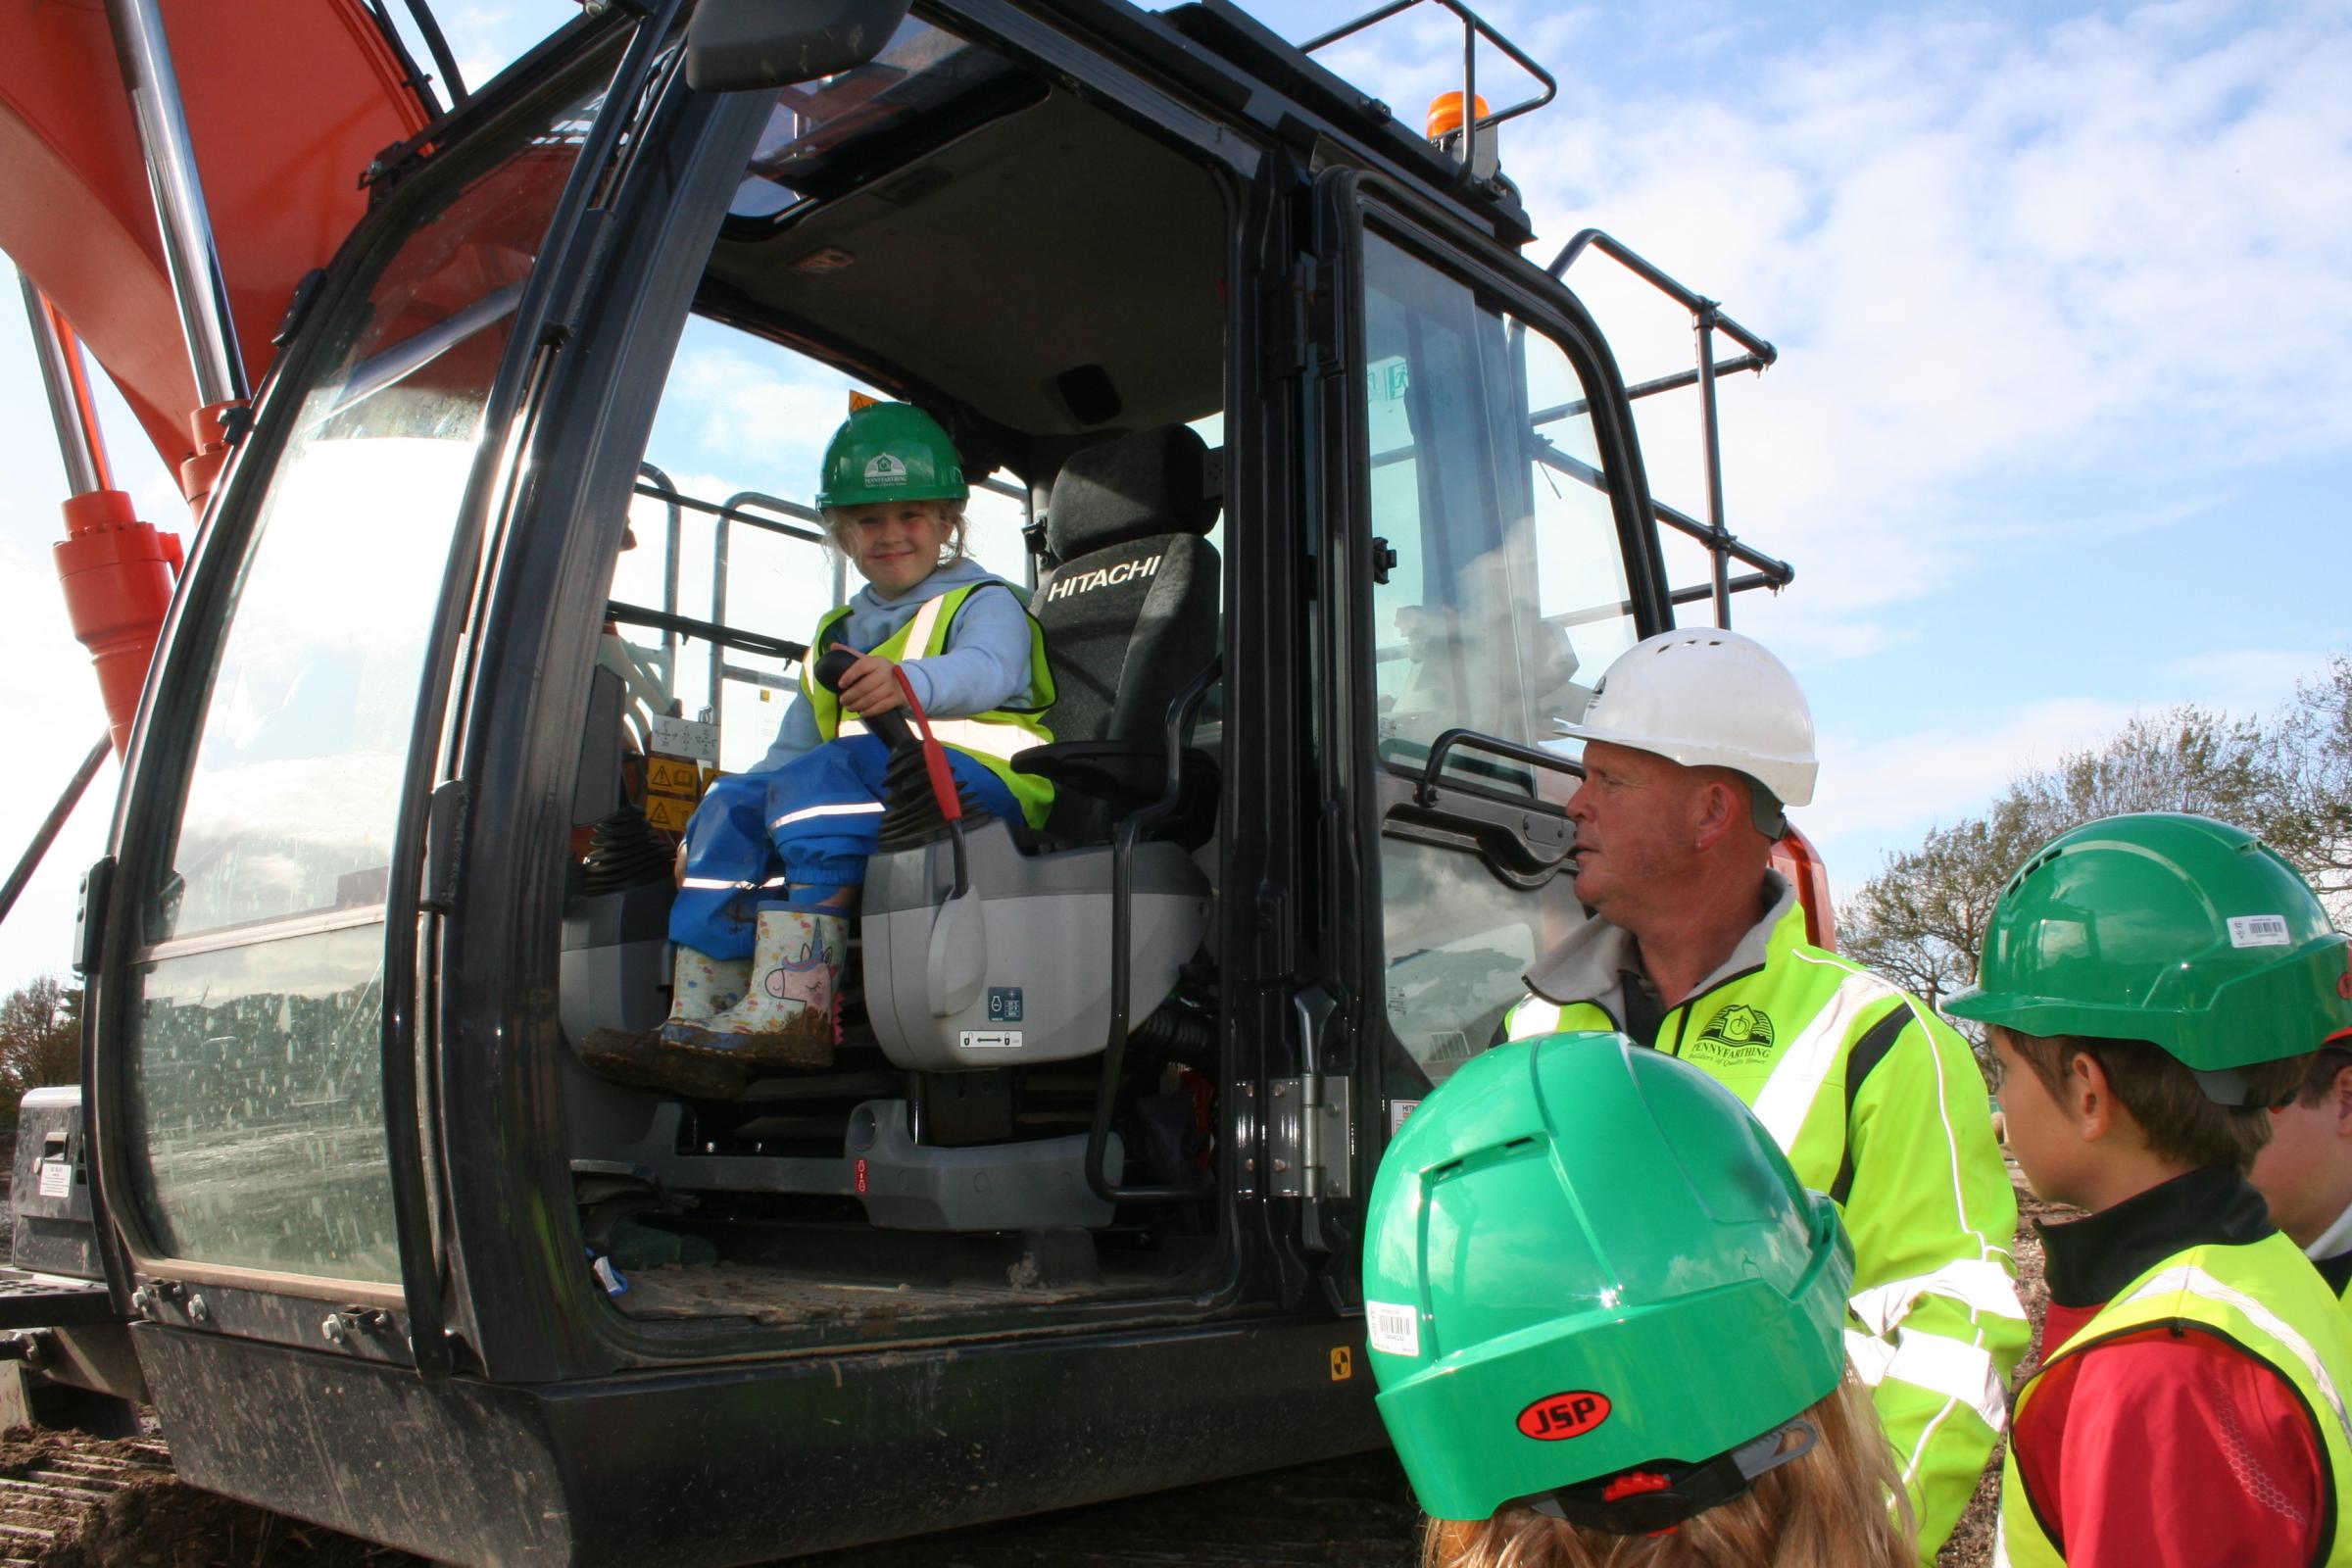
(2110, 249)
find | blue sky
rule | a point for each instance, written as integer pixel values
(2062, 430)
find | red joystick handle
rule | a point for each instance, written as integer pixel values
(935, 755)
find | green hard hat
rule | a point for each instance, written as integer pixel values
(1584, 1257)
(2179, 930)
(891, 452)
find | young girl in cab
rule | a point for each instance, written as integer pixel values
(774, 857)
(1606, 1324)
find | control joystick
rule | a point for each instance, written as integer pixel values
(896, 734)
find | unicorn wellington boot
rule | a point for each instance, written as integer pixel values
(787, 1018)
(699, 987)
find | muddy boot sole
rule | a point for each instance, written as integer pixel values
(805, 1043)
(641, 1060)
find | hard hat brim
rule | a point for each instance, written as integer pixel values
(1789, 778)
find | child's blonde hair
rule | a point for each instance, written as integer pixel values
(1842, 1506)
(951, 514)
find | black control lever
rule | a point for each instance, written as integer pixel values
(924, 797)
(892, 726)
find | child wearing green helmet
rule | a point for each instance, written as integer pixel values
(774, 857)
(1608, 1326)
(2153, 985)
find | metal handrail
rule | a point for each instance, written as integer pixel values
(1474, 27)
(1706, 319)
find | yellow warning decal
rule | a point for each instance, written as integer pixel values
(671, 816)
(681, 776)
(1343, 1363)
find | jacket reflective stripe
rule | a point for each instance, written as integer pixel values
(1980, 1282)
(1533, 1017)
(1001, 741)
(926, 619)
(843, 808)
(1797, 1078)
(1936, 1362)
(1954, 1369)
(2196, 1282)
(712, 884)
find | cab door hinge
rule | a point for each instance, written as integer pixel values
(1311, 1137)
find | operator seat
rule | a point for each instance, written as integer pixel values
(1130, 613)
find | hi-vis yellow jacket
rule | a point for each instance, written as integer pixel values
(1880, 1105)
(994, 738)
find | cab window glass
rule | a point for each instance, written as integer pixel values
(254, 1079)
(1505, 601)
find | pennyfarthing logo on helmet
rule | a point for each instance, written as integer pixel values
(1738, 1033)
(883, 469)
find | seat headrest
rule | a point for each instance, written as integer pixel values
(1151, 482)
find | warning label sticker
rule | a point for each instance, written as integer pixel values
(674, 775)
(670, 815)
(2259, 931)
(1392, 1328)
(57, 1179)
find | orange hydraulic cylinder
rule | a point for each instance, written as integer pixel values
(202, 470)
(116, 572)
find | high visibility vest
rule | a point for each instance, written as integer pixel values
(2262, 1298)
(992, 738)
(1827, 1054)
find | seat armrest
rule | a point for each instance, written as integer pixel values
(1125, 774)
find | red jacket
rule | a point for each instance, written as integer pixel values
(2157, 1452)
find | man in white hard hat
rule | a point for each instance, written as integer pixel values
(1694, 744)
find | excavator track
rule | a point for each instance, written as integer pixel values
(69, 1500)
(54, 1485)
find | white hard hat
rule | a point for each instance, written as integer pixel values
(1705, 698)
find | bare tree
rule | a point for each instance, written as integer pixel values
(2308, 820)
(1921, 919)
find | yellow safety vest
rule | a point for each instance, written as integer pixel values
(992, 738)
(2262, 1296)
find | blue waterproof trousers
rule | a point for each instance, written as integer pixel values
(811, 824)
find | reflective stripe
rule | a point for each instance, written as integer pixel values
(1868, 1358)
(1003, 742)
(2191, 1279)
(846, 808)
(1534, 1016)
(1954, 1369)
(1982, 1285)
(1797, 1079)
(712, 884)
(919, 630)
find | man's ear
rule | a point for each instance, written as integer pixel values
(1718, 808)
(2339, 1096)
(2089, 1100)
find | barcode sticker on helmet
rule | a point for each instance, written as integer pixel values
(1392, 1328)
(2259, 931)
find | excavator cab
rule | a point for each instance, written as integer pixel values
(1332, 506)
